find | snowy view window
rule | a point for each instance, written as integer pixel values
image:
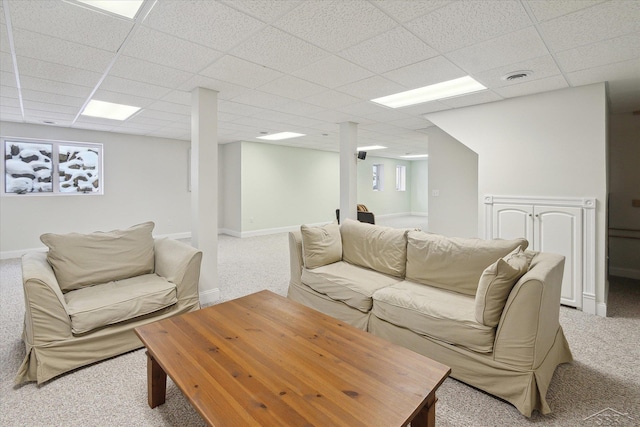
(378, 177)
(401, 178)
(30, 167)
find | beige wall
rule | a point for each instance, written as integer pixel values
(145, 179)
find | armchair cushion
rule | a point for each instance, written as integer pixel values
(93, 307)
(80, 260)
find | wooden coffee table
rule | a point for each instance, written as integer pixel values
(264, 360)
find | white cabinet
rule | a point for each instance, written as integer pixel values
(550, 225)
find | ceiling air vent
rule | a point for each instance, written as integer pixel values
(517, 75)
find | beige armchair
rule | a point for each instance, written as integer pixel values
(82, 311)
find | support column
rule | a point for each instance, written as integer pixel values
(348, 170)
(204, 188)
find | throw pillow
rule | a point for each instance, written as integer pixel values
(495, 286)
(80, 260)
(453, 263)
(321, 245)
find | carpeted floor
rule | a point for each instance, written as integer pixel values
(604, 379)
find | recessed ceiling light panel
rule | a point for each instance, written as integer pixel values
(127, 8)
(109, 110)
(415, 156)
(371, 147)
(280, 136)
(448, 89)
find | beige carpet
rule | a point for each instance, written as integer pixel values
(604, 378)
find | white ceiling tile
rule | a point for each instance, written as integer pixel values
(600, 22)
(238, 108)
(333, 71)
(264, 10)
(122, 98)
(372, 87)
(9, 116)
(70, 22)
(463, 23)
(549, 9)
(160, 48)
(52, 98)
(225, 89)
(44, 119)
(163, 115)
(59, 51)
(241, 72)
(425, 108)
(364, 108)
(621, 71)
(264, 125)
(335, 25)
(542, 67)
(260, 99)
(336, 116)
(291, 87)
(388, 51)
(9, 101)
(146, 72)
(44, 106)
(92, 125)
(290, 119)
(331, 99)
(600, 53)
(57, 72)
(504, 50)
(424, 73)
(170, 107)
(278, 50)
(406, 10)
(58, 118)
(51, 86)
(535, 86)
(171, 133)
(178, 97)
(413, 123)
(208, 23)
(8, 91)
(132, 87)
(482, 97)
(298, 107)
(4, 38)
(8, 79)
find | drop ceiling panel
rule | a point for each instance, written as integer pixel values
(546, 10)
(542, 67)
(260, 99)
(535, 86)
(263, 10)
(292, 87)
(70, 22)
(407, 10)
(178, 97)
(50, 86)
(388, 51)
(335, 25)
(43, 106)
(424, 73)
(600, 22)
(618, 49)
(298, 107)
(504, 50)
(331, 99)
(372, 87)
(160, 48)
(241, 72)
(225, 89)
(622, 71)
(143, 71)
(278, 50)
(171, 107)
(122, 98)
(208, 23)
(287, 119)
(8, 92)
(463, 23)
(163, 115)
(6, 62)
(238, 108)
(4, 38)
(57, 72)
(123, 85)
(59, 51)
(333, 71)
(52, 98)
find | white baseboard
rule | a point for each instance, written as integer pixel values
(601, 309)
(209, 297)
(630, 273)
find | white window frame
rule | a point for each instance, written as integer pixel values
(401, 178)
(55, 170)
(378, 177)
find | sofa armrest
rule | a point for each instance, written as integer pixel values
(46, 318)
(179, 263)
(295, 256)
(530, 320)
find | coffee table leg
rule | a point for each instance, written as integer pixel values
(427, 416)
(156, 382)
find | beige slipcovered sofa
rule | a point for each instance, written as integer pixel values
(84, 297)
(487, 309)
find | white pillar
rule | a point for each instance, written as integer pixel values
(204, 188)
(348, 170)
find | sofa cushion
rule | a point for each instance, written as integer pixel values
(437, 313)
(351, 284)
(321, 245)
(86, 259)
(453, 263)
(383, 249)
(92, 307)
(495, 285)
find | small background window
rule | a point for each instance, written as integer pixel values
(401, 178)
(378, 177)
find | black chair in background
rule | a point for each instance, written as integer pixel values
(363, 215)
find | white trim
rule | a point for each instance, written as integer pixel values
(209, 296)
(601, 309)
(589, 303)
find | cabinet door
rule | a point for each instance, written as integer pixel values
(559, 230)
(513, 221)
